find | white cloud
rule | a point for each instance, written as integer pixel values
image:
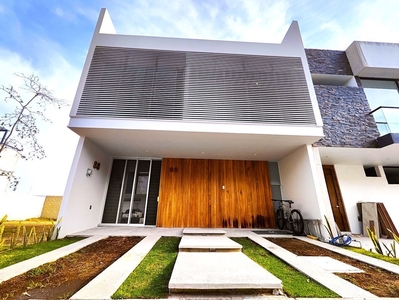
(377, 21)
(252, 20)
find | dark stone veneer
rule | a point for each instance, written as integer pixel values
(346, 122)
(328, 62)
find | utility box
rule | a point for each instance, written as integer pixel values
(369, 217)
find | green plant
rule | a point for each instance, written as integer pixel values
(3, 219)
(43, 235)
(54, 229)
(395, 237)
(25, 237)
(2, 240)
(377, 244)
(43, 269)
(15, 237)
(34, 284)
(391, 260)
(328, 228)
(33, 235)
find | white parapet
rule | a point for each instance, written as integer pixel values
(374, 60)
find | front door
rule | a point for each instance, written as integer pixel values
(336, 201)
(215, 193)
(133, 192)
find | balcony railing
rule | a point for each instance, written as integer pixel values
(387, 119)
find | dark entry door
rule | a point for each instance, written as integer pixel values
(336, 201)
(132, 196)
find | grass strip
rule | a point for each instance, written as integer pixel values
(10, 257)
(151, 277)
(389, 259)
(295, 283)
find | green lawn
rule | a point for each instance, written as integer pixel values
(391, 260)
(10, 257)
(151, 277)
(295, 284)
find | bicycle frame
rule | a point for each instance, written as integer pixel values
(285, 215)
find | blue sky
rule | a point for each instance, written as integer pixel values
(50, 38)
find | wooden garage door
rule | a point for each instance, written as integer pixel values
(215, 193)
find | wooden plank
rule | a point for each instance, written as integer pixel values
(215, 193)
(385, 221)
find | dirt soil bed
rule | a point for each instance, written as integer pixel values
(64, 277)
(375, 280)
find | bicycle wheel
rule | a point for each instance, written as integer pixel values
(296, 221)
(280, 218)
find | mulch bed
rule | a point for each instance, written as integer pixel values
(377, 281)
(64, 277)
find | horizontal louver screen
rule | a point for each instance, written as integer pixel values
(154, 84)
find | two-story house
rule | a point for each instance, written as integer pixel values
(199, 133)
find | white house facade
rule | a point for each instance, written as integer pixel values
(199, 133)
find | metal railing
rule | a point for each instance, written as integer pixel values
(386, 118)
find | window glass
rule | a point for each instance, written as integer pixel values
(392, 174)
(381, 93)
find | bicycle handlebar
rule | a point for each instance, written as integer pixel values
(288, 201)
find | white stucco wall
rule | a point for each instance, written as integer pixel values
(356, 187)
(19, 206)
(302, 181)
(84, 196)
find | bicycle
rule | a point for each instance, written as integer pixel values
(285, 215)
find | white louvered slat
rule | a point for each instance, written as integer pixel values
(154, 84)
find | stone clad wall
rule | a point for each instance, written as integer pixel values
(328, 62)
(344, 111)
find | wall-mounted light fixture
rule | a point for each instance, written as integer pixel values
(89, 172)
(96, 165)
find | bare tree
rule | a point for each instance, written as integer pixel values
(31, 101)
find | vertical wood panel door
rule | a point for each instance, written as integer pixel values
(215, 193)
(337, 204)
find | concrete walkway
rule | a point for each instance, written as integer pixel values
(211, 262)
(104, 285)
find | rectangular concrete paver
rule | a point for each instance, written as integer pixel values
(219, 271)
(107, 282)
(208, 243)
(24, 266)
(203, 231)
(331, 265)
(340, 286)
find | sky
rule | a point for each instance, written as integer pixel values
(50, 38)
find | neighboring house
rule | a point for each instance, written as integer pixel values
(199, 133)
